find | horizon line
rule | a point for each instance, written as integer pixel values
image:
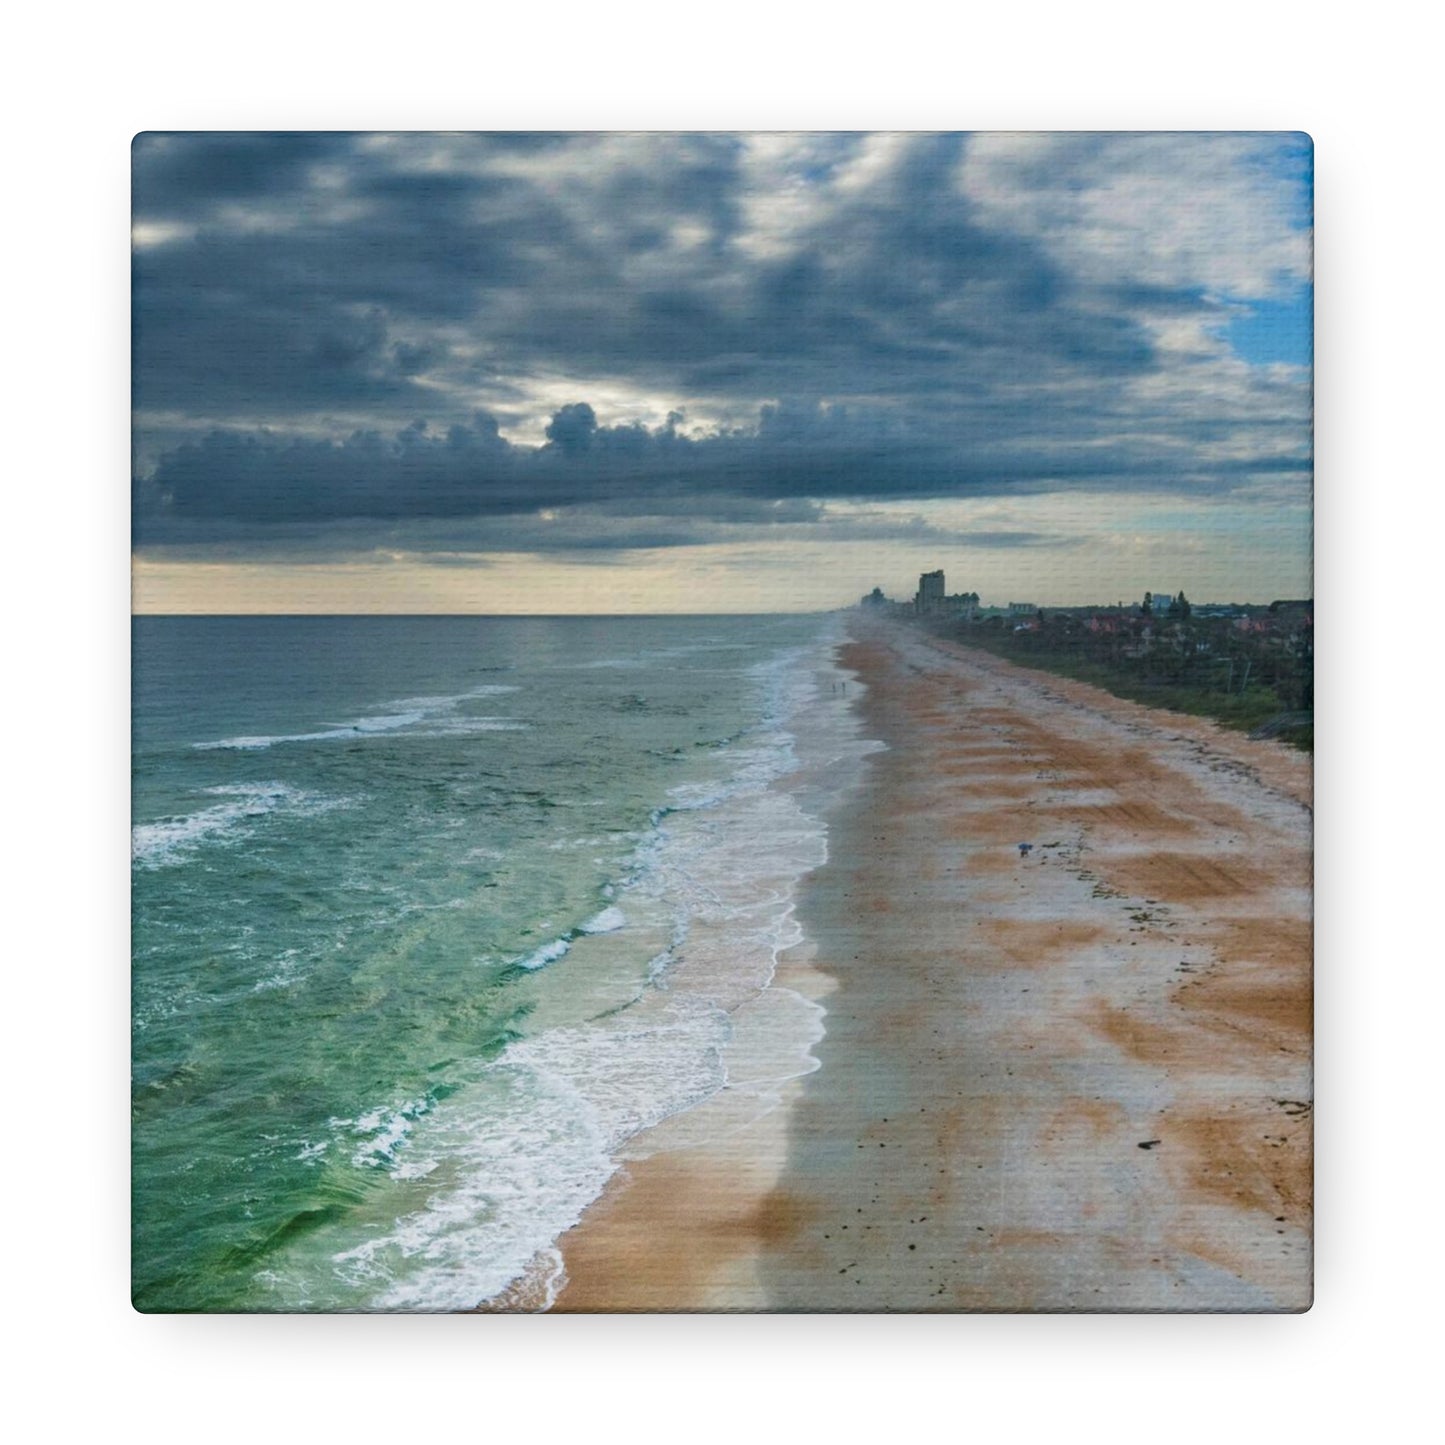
(773, 612)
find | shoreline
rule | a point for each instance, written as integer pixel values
(742, 956)
(1076, 1081)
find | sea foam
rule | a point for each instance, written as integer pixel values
(440, 713)
(608, 921)
(175, 839)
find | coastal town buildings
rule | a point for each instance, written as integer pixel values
(1249, 652)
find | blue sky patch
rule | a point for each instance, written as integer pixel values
(1275, 330)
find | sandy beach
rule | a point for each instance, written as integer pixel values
(1076, 1080)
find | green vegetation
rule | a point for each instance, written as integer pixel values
(1302, 738)
(1242, 677)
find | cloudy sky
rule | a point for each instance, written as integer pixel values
(610, 373)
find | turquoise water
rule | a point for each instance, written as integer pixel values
(407, 896)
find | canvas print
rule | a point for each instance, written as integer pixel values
(722, 722)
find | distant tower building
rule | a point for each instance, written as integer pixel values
(929, 597)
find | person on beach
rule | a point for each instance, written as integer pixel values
(1024, 850)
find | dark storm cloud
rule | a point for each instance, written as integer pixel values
(231, 480)
(182, 176)
(319, 319)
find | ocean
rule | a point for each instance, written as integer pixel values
(433, 915)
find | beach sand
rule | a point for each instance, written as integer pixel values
(1079, 1080)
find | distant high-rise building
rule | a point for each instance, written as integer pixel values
(929, 597)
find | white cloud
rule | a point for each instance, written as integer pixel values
(1208, 211)
(145, 234)
(781, 201)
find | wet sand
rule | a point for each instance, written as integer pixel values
(1074, 1081)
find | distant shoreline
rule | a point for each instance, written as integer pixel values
(1075, 1080)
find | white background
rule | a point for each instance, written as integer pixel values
(80, 85)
